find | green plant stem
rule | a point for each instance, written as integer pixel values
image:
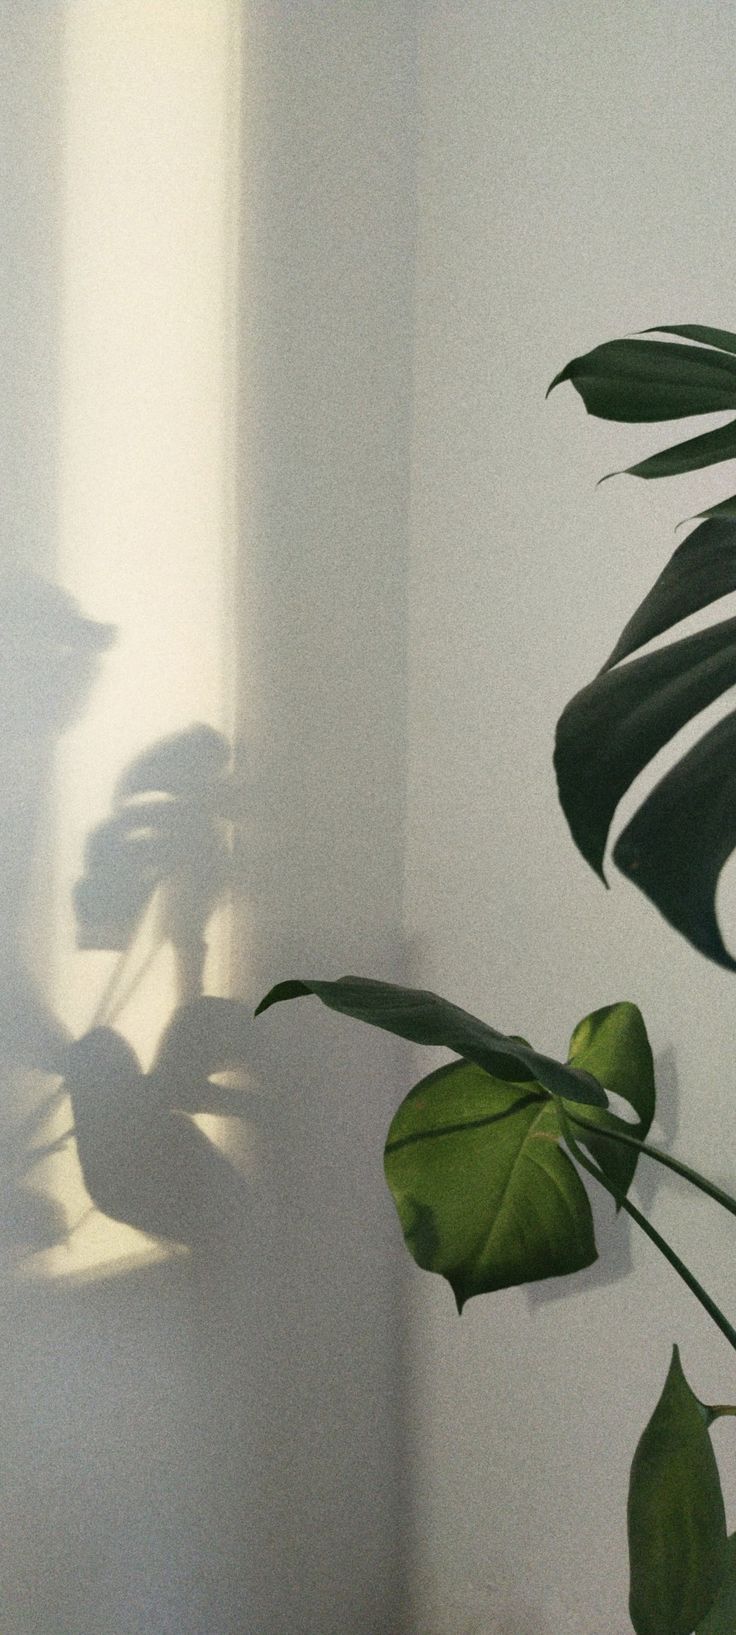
(678, 1265)
(659, 1157)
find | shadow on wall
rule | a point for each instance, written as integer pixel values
(169, 1424)
(613, 1231)
(164, 849)
(128, 1487)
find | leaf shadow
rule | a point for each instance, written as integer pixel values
(613, 1233)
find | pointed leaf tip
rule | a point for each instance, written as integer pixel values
(281, 990)
(427, 1019)
(676, 1517)
(485, 1195)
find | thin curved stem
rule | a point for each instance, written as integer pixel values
(678, 1265)
(692, 1175)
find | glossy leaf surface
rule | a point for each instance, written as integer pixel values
(484, 1193)
(676, 1518)
(613, 1045)
(425, 1018)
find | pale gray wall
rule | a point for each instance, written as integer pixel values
(576, 183)
(215, 1446)
(228, 1450)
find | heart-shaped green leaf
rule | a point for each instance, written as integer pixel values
(702, 569)
(677, 1523)
(612, 1044)
(414, 1013)
(638, 380)
(484, 1193)
(721, 1617)
(611, 730)
(677, 843)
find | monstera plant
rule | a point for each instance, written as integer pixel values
(485, 1157)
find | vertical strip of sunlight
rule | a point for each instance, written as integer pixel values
(148, 402)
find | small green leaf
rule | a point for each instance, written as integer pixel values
(611, 729)
(725, 509)
(702, 569)
(677, 1523)
(612, 1044)
(676, 845)
(414, 1013)
(638, 380)
(707, 450)
(484, 1193)
(721, 1618)
(724, 339)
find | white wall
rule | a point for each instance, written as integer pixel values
(576, 183)
(240, 1447)
(214, 1444)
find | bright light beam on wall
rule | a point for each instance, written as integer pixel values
(147, 412)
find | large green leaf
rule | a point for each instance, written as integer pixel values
(702, 569)
(677, 843)
(677, 1523)
(721, 1618)
(484, 1193)
(639, 380)
(612, 1044)
(425, 1018)
(611, 730)
(676, 846)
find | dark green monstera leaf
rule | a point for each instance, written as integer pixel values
(425, 1018)
(677, 1526)
(702, 569)
(676, 845)
(484, 1193)
(612, 729)
(678, 842)
(642, 380)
